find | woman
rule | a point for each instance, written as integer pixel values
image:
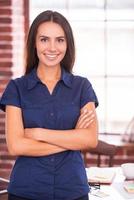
(50, 117)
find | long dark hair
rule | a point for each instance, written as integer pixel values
(31, 54)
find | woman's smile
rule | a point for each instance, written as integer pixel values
(51, 56)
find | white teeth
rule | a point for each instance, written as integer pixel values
(51, 56)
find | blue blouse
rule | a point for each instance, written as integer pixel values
(60, 176)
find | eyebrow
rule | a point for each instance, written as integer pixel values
(44, 36)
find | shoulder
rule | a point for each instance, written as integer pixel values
(77, 79)
(84, 87)
(20, 81)
(14, 83)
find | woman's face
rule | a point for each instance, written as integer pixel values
(51, 44)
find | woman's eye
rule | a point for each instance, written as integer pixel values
(61, 40)
(43, 39)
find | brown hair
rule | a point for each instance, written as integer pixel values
(31, 54)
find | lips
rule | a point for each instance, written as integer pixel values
(51, 56)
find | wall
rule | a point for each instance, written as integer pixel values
(13, 27)
(122, 156)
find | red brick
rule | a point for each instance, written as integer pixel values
(7, 74)
(2, 114)
(1, 90)
(5, 38)
(5, 11)
(130, 152)
(3, 146)
(5, 165)
(2, 136)
(5, 173)
(6, 64)
(2, 140)
(5, 29)
(120, 151)
(5, 46)
(5, 55)
(7, 157)
(5, 3)
(5, 20)
(2, 123)
(4, 81)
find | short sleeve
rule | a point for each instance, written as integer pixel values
(88, 94)
(10, 96)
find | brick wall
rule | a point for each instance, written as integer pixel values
(122, 156)
(5, 73)
(13, 27)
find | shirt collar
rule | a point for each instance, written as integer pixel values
(66, 77)
(33, 79)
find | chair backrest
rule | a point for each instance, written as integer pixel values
(104, 148)
(3, 185)
(128, 135)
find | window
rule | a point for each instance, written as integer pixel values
(104, 35)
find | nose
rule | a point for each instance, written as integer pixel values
(52, 46)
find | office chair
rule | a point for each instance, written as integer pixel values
(106, 149)
(128, 135)
(3, 185)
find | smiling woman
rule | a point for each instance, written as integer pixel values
(51, 48)
(50, 117)
(51, 44)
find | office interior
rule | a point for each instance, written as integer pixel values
(104, 39)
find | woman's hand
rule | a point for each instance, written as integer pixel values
(85, 119)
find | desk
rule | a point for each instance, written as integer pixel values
(115, 190)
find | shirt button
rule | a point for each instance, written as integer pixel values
(52, 114)
(52, 159)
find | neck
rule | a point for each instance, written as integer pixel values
(49, 73)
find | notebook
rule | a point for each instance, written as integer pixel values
(129, 186)
(103, 175)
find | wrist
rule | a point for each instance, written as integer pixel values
(38, 134)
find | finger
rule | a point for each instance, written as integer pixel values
(86, 111)
(84, 114)
(83, 121)
(86, 122)
(85, 118)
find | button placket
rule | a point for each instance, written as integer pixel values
(51, 114)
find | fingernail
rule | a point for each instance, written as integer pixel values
(90, 112)
(85, 110)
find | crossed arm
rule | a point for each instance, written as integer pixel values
(40, 142)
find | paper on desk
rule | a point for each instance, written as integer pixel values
(120, 188)
(100, 194)
(103, 175)
(129, 186)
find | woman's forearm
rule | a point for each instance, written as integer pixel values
(29, 147)
(85, 134)
(18, 143)
(75, 139)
